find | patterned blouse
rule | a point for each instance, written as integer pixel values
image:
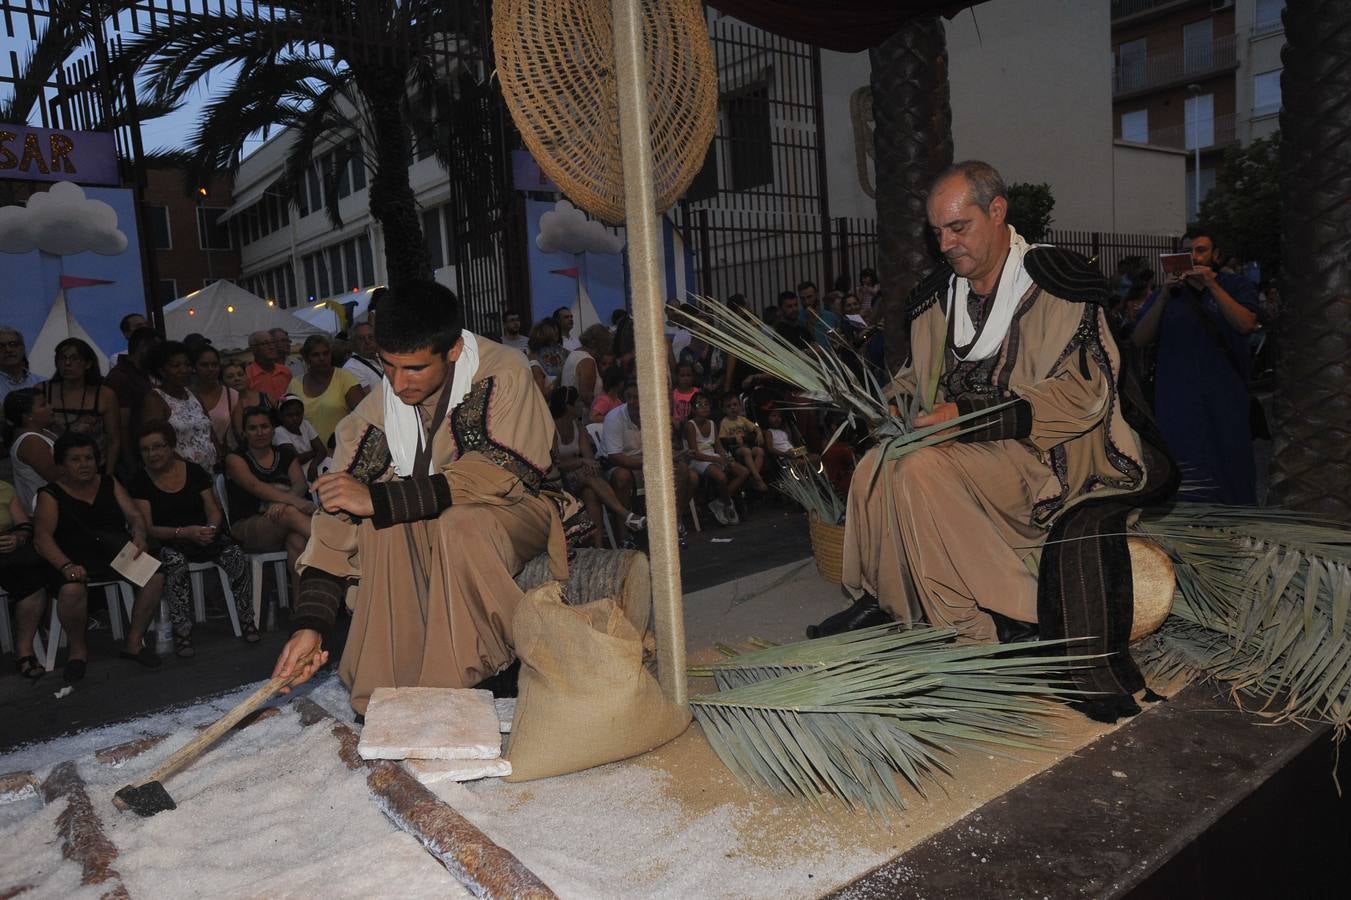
(193, 428)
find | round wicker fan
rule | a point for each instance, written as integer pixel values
(555, 60)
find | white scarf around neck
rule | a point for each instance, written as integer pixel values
(403, 425)
(1013, 283)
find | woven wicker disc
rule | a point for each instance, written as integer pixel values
(555, 60)
(1154, 580)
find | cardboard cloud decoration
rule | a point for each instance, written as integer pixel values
(61, 221)
(566, 229)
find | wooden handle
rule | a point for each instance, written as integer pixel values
(208, 736)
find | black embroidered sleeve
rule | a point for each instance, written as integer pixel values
(321, 595)
(409, 499)
(930, 290)
(1011, 423)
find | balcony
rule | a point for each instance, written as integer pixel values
(1222, 132)
(1138, 74)
(1126, 9)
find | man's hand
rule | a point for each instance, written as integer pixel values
(943, 412)
(340, 492)
(8, 542)
(1201, 277)
(302, 656)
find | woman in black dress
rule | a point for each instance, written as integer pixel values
(83, 521)
(184, 518)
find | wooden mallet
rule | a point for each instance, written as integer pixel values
(150, 797)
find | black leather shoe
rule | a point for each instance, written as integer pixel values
(863, 614)
(1011, 631)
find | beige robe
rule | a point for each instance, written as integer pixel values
(435, 597)
(955, 529)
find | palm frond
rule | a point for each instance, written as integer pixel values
(845, 715)
(810, 489)
(1262, 605)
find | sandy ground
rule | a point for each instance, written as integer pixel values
(272, 812)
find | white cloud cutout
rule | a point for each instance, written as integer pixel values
(566, 229)
(61, 221)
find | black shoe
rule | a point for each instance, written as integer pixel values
(146, 656)
(74, 670)
(1011, 631)
(865, 613)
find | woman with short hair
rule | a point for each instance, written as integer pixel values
(265, 489)
(182, 515)
(329, 393)
(174, 402)
(84, 519)
(81, 402)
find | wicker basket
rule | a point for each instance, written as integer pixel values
(828, 547)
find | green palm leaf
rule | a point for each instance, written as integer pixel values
(844, 715)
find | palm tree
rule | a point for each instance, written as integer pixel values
(381, 69)
(913, 143)
(1311, 468)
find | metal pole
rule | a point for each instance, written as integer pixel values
(648, 266)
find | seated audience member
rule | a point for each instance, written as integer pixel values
(710, 461)
(29, 417)
(265, 489)
(868, 290)
(828, 319)
(23, 574)
(267, 374)
(742, 439)
(779, 444)
(624, 455)
(293, 429)
(82, 523)
(328, 393)
(81, 402)
(174, 402)
(128, 324)
(624, 351)
(182, 515)
(611, 395)
(130, 381)
(546, 356)
(511, 332)
(14, 372)
(683, 394)
(575, 458)
(581, 370)
(789, 325)
(232, 375)
(364, 362)
(220, 400)
(282, 341)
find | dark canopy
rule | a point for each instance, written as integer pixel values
(844, 25)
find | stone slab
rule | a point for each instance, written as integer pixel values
(432, 771)
(430, 723)
(17, 786)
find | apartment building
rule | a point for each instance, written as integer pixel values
(188, 244)
(1196, 75)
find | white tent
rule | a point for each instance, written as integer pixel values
(228, 314)
(320, 315)
(60, 325)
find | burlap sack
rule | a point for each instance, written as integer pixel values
(585, 698)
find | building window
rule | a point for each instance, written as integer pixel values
(750, 136)
(367, 260)
(1131, 63)
(1267, 18)
(1200, 122)
(211, 234)
(166, 290)
(1198, 46)
(431, 230)
(1266, 93)
(1135, 126)
(1207, 184)
(315, 201)
(157, 228)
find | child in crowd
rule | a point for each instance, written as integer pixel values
(294, 431)
(742, 438)
(683, 393)
(712, 462)
(612, 393)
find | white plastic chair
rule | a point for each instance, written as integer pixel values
(195, 573)
(6, 627)
(597, 432)
(257, 561)
(112, 590)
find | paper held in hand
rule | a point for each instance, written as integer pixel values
(136, 569)
(1175, 263)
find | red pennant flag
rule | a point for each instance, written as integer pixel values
(74, 281)
(570, 272)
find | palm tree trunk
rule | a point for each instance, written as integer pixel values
(912, 143)
(392, 202)
(1311, 466)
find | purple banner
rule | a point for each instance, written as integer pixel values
(44, 154)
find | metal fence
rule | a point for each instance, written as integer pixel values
(1109, 248)
(760, 254)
